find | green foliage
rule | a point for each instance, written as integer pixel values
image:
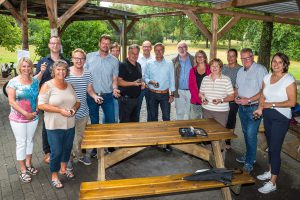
(83, 35)
(10, 34)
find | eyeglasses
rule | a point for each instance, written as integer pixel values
(247, 58)
(78, 59)
(54, 43)
(183, 47)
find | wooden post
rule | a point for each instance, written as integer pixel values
(124, 40)
(24, 25)
(213, 42)
(51, 6)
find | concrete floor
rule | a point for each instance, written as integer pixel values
(149, 162)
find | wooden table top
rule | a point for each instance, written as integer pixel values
(150, 133)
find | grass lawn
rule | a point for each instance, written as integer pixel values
(7, 56)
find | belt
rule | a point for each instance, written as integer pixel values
(159, 91)
(250, 105)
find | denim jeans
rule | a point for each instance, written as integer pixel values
(250, 128)
(144, 93)
(61, 143)
(276, 126)
(46, 146)
(107, 107)
(159, 99)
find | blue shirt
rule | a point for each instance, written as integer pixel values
(249, 82)
(47, 74)
(161, 72)
(103, 70)
(184, 73)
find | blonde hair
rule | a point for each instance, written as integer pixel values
(60, 63)
(27, 60)
(80, 51)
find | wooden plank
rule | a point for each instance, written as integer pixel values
(227, 26)
(214, 40)
(220, 164)
(101, 164)
(194, 18)
(202, 9)
(197, 151)
(151, 186)
(70, 12)
(124, 40)
(120, 154)
(24, 25)
(13, 12)
(243, 3)
(114, 25)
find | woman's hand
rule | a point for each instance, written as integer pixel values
(216, 101)
(66, 113)
(257, 113)
(30, 116)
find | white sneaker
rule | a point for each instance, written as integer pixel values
(267, 188)
(264, 176)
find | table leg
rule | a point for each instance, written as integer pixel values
(101, 164)
(220, 164)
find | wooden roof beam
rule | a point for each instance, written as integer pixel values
(114, 25)
(201, 9)
(243, 3)
(194, 18)
(132, 23)
(70, 12)
(233, 21)
(51, 7)
(13, 11)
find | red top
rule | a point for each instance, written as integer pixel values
(195, 99)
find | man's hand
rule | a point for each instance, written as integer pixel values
(171, 98)
(43, 67)
(116, 93)
(241, 100)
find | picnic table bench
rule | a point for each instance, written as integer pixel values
(134, 137)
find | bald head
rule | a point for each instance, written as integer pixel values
(146, 47)
(182, 49)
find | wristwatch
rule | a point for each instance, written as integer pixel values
(273, 105)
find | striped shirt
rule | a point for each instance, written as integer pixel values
(218, 89)
(80, 84)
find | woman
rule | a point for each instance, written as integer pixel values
(278, 96)
(59, 101)
(215, 92)
(231, 70)
(197, 73)
(22, 97)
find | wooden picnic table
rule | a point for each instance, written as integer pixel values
(134, 137)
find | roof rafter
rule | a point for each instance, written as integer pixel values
(243, 3)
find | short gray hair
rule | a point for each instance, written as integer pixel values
(134, 46)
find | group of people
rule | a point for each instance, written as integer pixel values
(71, 95)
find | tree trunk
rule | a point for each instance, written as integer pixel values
(264, 54)
(206, 45)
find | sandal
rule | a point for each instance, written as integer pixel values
(57, 184)
(26, 178)
(68, 174)
(31, 170)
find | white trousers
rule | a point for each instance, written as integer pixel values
(24, 133)
(183, 105)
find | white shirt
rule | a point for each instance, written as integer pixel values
(276, 92)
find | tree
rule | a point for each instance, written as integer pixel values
(10, 34)
(265, 44)
(83, 35)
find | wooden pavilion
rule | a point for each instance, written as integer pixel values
(61, 13)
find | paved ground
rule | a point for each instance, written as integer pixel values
(150, 162)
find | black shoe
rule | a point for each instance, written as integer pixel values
(167, 148)
(94, 153)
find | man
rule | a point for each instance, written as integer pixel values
(115, 50)
(159, 75)
(248, 85)
(104, 69)
(146, 56)
(54, 46)
(182, 66)
(82, 81)
(130, 84)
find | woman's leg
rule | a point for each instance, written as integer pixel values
(30, 130)
(67, 141)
